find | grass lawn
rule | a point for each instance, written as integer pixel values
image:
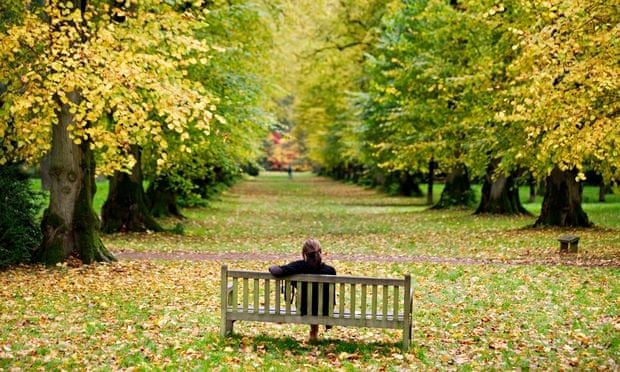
(165, 314)
(273, 214)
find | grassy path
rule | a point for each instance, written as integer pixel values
(279, 257)
(272, 215)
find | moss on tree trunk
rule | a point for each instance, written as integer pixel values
(70, 226)
(457, 191)
(125, 209)
(562, 203)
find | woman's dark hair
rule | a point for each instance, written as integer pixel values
(312, 252)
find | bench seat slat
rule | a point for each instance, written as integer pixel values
(341, 319)
(309, 301)
(287, 297)
(396, 300)
(273, 312)
(235, 291)
(256, 293)
(341, 299)
(298, 295)
(374, 301)
(267, 296)
(277, 294)
(363, 300)
(352, 298)
(320, 298)
(246, 290)
(344, 322)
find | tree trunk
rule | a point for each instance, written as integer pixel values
(500, 195)
(562, 203)
(541, 189)
(162, 198)
(408, 185)
(45, 172)
(431, 177)
(457, 191)
(125, 208)
(532, 184)
(602, 190)
(70, 226)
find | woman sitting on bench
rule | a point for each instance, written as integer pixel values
(312, 263)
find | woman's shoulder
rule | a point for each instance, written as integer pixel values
(328, 270)
(296, 264)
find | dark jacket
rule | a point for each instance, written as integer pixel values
(302, 267)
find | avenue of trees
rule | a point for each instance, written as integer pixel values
(181, 95)
(165, 91)
(508, 92)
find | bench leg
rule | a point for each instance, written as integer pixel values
(406, 338)
(226, 327)
(229, 327)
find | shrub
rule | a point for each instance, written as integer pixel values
(19, 206)
(251, 169)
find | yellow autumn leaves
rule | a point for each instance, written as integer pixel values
(132, 87)
(567, 79)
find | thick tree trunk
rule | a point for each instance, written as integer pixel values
(162, 199)
(125, 208)
(562, 203)
(45, 172)
(500, 195)
(457, 191)
(408, 185)
(70, 226)
(541, 189)
(431, 177)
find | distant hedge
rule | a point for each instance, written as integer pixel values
(20, 233)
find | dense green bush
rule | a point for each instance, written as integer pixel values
(19, 205)
(251, 169)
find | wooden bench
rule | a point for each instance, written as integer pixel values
(569, 243)
(353, 301)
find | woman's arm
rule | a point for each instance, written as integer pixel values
(276, 270)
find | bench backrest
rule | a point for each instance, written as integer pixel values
(352, 300)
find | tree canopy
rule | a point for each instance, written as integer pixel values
(512, 88)
(186, 93)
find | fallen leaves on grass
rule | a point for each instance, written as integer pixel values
(166, 315)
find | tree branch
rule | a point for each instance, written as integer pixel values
(339, 47)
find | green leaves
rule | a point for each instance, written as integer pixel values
(531, 84)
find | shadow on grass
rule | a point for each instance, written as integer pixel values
(328, 345)
(563, 230)
(385, 205)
